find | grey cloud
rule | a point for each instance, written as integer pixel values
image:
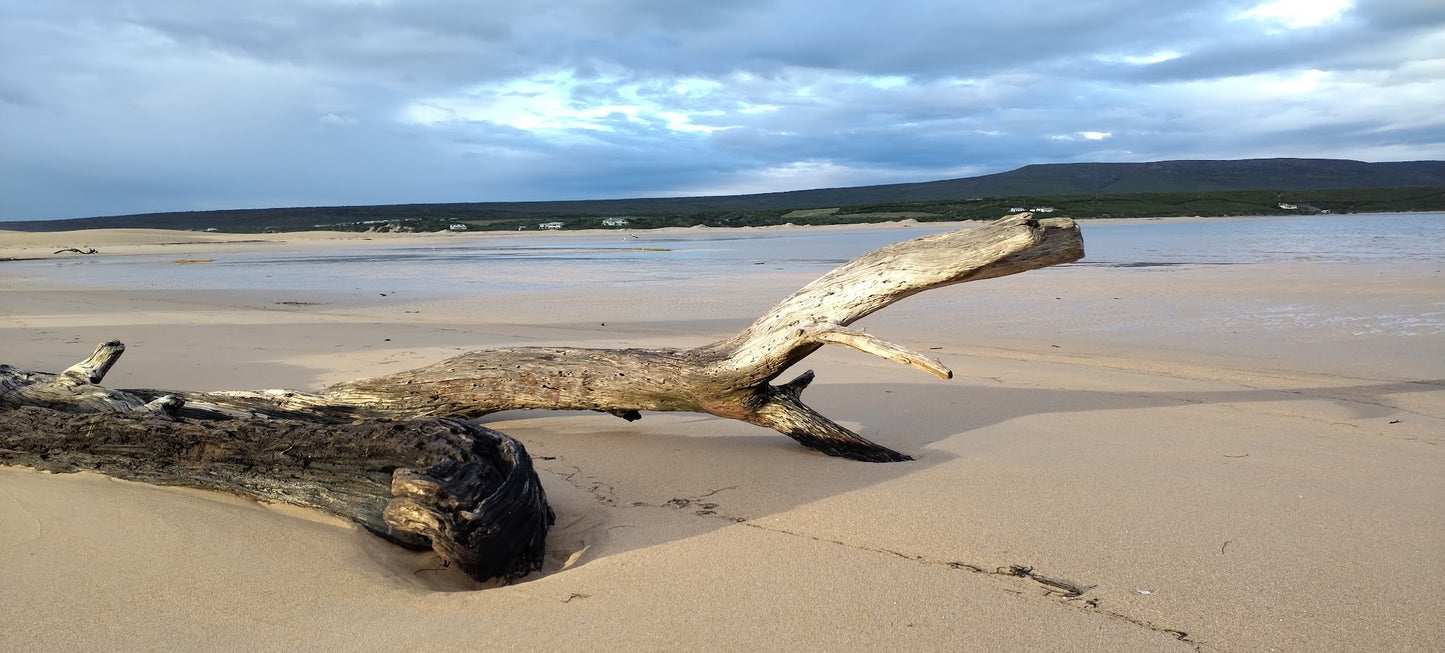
(1400, 15)
(110, 107)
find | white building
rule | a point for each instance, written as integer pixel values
(550, 225)
(458, 226)
(614, 222)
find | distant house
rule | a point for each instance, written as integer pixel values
(1043, 209)
(458, 226)
(1016, 209)
(614, 222)
(1288, 207)
(550, 225)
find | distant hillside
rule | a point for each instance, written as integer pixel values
(1033, 181)
(1196, 176)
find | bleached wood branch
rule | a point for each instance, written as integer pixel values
(390, 453)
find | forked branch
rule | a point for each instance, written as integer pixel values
(731, 378)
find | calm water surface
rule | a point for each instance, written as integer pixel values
(1363, 238)
(532, 262)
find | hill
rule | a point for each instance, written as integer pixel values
(1198, 176)
(1028, 184)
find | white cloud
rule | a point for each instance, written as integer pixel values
(748, 108)
(559, 101)
(336, 120)
(1296, 14)
(818, 173)
(1159, 56)
(1306, 81)
(1083, 135)
(882, 81)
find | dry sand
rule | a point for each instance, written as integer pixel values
(1222, 477)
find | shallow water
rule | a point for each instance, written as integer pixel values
(541, 262)
(1268, 289)
(1362, 238)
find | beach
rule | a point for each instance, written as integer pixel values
(1214, 457)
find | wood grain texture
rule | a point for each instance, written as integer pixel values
(392, 454)
(731, 378)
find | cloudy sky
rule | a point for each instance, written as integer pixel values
(125, 106)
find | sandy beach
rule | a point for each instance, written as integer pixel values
(1221, 473)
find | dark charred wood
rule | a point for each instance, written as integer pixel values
(483, 510)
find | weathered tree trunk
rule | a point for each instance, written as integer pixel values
(466, 491)
(355, 448)
(731, 378)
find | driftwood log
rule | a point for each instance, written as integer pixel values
(392, 454)
(466, 491)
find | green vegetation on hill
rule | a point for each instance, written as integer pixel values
(1082, 190)
(1218, 203)
(1187, 176)
(1096, 205)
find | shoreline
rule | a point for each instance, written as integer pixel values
(29, 246)
(1220, 473)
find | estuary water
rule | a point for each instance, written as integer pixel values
(1272, 291)
(537, 261)
(1356, 238)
